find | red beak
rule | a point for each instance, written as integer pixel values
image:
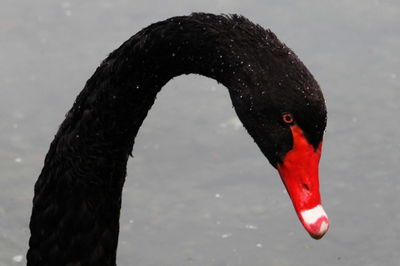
(299, 173)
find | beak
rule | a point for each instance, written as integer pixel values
(299, 173)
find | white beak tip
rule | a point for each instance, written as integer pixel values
(315, 221)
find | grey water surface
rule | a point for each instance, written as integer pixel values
(198, 191)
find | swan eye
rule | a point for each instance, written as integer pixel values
(288, 118)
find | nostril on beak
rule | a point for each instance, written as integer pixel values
(306, 187)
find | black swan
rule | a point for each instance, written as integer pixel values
(76, 206)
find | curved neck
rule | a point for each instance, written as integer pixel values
(132, 75)
(75, 217)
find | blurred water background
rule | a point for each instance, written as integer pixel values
(199, 192)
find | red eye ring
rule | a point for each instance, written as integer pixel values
(288, 118)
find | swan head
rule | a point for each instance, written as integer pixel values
(283, 109)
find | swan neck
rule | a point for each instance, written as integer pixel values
(78, 193)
